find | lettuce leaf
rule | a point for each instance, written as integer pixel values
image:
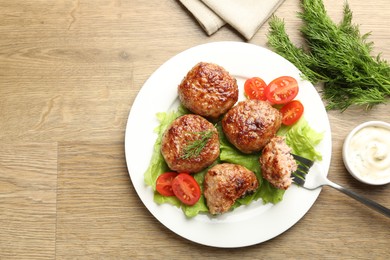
(302, 139)
(192, 211)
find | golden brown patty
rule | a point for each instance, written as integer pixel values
(208, 90)
(277, 163)
(225, 183)
(185, 132)
(251, 124)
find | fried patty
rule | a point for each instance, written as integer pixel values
(251, 124)
(208, 90)
(190, 144)
(277, 163)
(225, 183)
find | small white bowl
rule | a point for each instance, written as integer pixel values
(347, 157)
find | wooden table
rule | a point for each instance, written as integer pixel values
(69, 73)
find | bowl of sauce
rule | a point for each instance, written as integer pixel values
(366, 152)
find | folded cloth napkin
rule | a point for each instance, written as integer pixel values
(246, 16)
(209, 20)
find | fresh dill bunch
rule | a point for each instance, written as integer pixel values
(338, 55)
(195, 147)
(280, 41)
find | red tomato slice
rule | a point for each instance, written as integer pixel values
(291, 112)
(282, 90)
(186, 189)
(164, 183)
(254, 88)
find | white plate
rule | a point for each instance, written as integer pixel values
(246, 225)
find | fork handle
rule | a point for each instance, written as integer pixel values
(372, 204)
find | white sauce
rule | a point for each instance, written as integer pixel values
(369, 154)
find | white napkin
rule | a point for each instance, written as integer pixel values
(246, 16)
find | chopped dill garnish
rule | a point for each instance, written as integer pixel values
(195, 147)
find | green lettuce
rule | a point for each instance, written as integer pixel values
(300, 137)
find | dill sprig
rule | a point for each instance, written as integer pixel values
(337, 55)
(195, 147)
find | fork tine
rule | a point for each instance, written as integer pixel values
(300, 173)
(305, 161)
(303, 168)
(304, 164)
(298, 179)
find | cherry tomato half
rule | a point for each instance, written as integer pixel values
(291, 112)
(186, 189)
(282, 90)
(254, 88)
(164, 183)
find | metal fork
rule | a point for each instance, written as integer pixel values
(320, 179)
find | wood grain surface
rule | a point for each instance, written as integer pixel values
(69, 73)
